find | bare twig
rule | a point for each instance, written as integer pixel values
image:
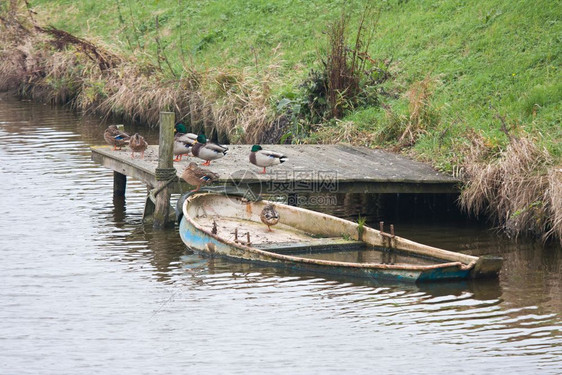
(104, 59)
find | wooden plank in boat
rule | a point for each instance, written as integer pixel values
(314, 245)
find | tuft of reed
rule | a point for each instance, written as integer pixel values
(243, 111)
(553, 195)
(421, 117)
(138, 97)
(519, 188)
(342, 81)
(11, 69)
(348, 73)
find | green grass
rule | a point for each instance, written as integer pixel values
(490, 58)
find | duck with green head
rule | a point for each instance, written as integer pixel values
(264, 158)
(207, 150)
(183, 141)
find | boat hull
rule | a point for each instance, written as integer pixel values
(198, 237)
(210, 246)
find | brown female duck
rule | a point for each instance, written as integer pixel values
(137, 144)
(269, 216)
(198, 177)
(115, 137)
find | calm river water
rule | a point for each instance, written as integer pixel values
(86, 288)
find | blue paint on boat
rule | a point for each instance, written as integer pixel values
(198, 241)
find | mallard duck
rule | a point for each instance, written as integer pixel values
(182, 141)
(269, 216)
(264, 158)
(180, 128)
(115, 137)
(198, 177)
(137, 144)
(207, 150)
(181, 148)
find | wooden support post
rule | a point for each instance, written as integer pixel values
(119, 184)
(149, 207)
(119, 209)
(166, 143)
(165, 169)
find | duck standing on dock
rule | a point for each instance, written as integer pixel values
(198, 177)
(264, 158)
(137, 144)
(115, 137)
(183, 141)
(269, 216)
(207, 150)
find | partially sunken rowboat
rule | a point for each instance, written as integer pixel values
(304, 240)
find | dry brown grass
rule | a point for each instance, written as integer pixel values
(554, 196)
(18, 55)
(53, 66)
(11, 69)
(343, 81)
(520, 189)
(242, 104)
(345, 132)
(421, 115)
(139, 97)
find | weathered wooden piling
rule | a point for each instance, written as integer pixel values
(165, 170)
(119, 184)
(119, 179)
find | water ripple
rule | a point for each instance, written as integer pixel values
(87, 288)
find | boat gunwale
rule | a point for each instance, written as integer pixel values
(321, 262)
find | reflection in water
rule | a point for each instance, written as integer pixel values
(119, 208)
(87, 288)
(166, 254)
(477, 289)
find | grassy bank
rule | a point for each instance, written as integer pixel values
(501, 57)
(467, 85)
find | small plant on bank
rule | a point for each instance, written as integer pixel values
(404, 126)
(349, 77)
